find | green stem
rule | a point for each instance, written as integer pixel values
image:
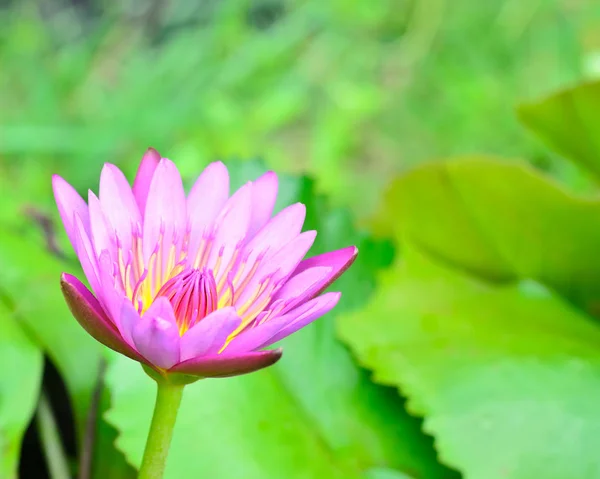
(168, 398)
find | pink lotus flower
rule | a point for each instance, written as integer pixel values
(195, 285)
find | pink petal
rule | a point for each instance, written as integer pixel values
(165, 210)
(253, 338)
(278, 328)
(87, 311)
(209, 335)
(224, 365)
(111, 295)
(280, 265)
(288, 257)
(69, 204)
(87, 255)
(264, 195)
(277, 233)
(162, 308)
(232, 226)
(301, 287)
(206, 199)
(126, 321)
(143, 177)
(339, 261)
(101, 234)
(157, 337)
(118, 204)
(304, 315)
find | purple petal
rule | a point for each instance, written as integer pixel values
(69, 204)
(288, 257)
(161, 308)
(87, 255)
(224, 365)
(339, 261)
(100, 230)
(252, 339)
(165, 210)
(232, 226)
(280, 265)
(209, 335)
(277, 233)
(127, 320)
(278, 328)
(304, 315)
(301, 287)
(205, 201)
(89, 314)
(157, 339)
(111, 295)
(264, 195)
(118, 204)
(143, 177)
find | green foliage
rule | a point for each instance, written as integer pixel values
(30, 278)
(488, 322)
(19, 387)
(506, 375)
(568, 122)
(351, 95)
(499, 220)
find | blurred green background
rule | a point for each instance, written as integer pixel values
(350, 92)
(342, 98)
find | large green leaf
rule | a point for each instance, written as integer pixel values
(502, 221)
(568, 121)
(20, 380)
(508, 377)
(107, 460)
(29, 277)
(314, 414)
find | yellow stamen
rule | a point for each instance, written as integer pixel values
(229, 267)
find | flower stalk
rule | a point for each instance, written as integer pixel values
(168, 399)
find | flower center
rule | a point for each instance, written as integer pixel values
(193, 294)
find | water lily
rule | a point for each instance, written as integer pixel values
(191, 286)
(195, 285)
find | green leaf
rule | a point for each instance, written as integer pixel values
(29, 277)
(20, 381)
(315, 403)
(508, 377)
(108, 461)
(380, 473)
(501, 221)
(568, 122)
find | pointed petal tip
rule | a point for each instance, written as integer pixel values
(152, 153)
(107, 167)
(59, 184)
(217, 164)
(57, 179)
(143, 177)
(354, 252)
(67, 279)
(299, 207)
(310, 235)
(165, 162)
(269, 176)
